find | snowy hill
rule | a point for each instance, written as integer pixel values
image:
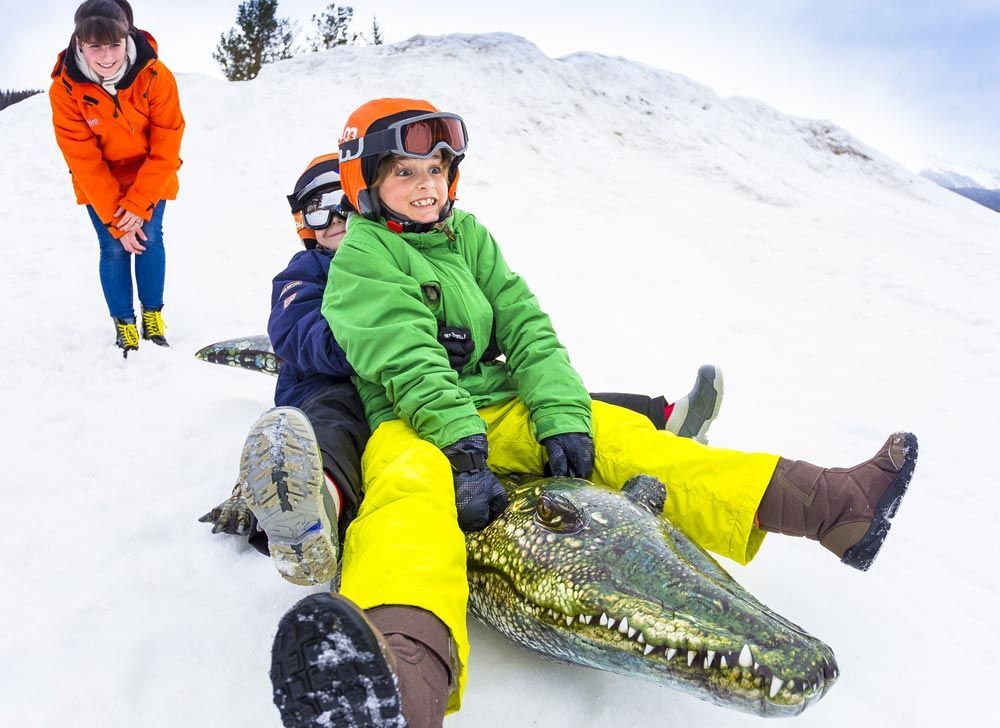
(660, 225)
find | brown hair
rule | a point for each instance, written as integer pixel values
(102, 21)
(388, 165)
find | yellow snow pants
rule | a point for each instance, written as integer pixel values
(405, 546)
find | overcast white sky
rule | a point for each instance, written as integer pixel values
(914, 78)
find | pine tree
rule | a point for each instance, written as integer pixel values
(12, 97)
(331, 28)
(376, 37)
(259, 37)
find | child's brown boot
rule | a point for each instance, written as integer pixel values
(846, 509)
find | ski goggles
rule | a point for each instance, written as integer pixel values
(418, 137)
(320, 209)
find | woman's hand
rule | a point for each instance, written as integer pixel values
(129, 220)
(130, 241)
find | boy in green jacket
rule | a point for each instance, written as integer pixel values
(410, 262)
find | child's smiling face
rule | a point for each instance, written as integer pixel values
(416, 188)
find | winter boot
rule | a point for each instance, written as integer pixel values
(281, 477)
(330, 666)
(693, 413)
(846, 509)
(333, 664)
(126, 335)
(153, 326)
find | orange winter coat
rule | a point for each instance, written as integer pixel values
(122, 150)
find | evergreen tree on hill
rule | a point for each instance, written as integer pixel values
(332, 28)
(376, 33)
(12, 97)
(259, 37)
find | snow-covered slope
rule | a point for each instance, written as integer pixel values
(661, 226)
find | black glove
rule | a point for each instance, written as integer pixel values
(231, 516)
(479, 496)
(571, 455)
(459, 345)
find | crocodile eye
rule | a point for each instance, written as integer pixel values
(557, 513)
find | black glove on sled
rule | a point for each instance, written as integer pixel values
(478, 494)
(459, 345)
(231, 516)
(570, 455)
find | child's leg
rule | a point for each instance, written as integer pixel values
(150, 267)
(689, 416)
(116, 271)
(338, 419)
(405, 546)
(712, 493)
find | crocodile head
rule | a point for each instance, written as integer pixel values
(593, 576)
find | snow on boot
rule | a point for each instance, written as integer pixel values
(331, 667)
(846, 509)
(126, 335)
(281, 477)
(693, 413)
(153, 327)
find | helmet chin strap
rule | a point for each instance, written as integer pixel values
(402, 224)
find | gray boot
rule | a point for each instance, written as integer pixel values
(846, 509)
(281, 477)
(694, 413)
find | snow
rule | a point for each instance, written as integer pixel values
(660, 225)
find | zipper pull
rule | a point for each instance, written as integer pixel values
(444, 227)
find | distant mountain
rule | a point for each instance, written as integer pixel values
(981, 188)
(989, 198)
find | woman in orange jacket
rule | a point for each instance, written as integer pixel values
(118, 123)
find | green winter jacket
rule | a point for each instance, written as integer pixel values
(387, 294)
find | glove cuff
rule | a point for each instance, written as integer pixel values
(468, 454)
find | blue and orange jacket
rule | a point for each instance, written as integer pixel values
(300, 334)
(122, 150)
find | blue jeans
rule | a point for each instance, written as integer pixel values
(116, 266)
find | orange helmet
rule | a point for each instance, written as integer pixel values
(404, 127)
(322, 175)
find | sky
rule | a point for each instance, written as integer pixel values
(917, 79)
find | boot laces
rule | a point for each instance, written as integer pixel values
(152, 323)
(128, 334)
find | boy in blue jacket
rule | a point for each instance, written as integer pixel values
(300, 472)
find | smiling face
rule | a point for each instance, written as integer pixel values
(416, 189)
(104, 59)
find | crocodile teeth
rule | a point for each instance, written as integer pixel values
(623, 627)
(584, 619)
(640, 639)
(746, 659)
(776, 685)
(671, 651)
(709, 658)
(604, 619)
(569, 620)
(691, 657)
(611, 623)
(722, 663)
(631, 632)
(649, 648)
